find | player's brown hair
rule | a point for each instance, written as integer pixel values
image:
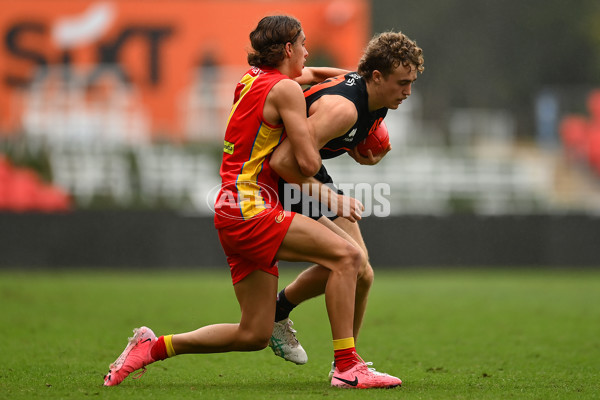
(386, 51)
(269, 38)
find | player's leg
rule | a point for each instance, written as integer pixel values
(255, 294)
(312, 281)
(310, 241)
(307, 240)
(365, 274)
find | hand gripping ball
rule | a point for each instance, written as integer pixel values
(377, 141)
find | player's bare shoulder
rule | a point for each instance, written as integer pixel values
(285, 88)
(284, 94)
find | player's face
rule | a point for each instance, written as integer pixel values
(299, 55)
(397, 86)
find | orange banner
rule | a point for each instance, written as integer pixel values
(156, 45)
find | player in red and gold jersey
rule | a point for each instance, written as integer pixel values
(247, 204)
(253, 228)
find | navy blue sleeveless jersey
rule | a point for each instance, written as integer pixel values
(353, 87)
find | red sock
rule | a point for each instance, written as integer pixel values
(159, 351)
(345, 358)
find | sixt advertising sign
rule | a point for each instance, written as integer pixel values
(154, 48)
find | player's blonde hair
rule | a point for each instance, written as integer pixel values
(387, 51)
(269, 38)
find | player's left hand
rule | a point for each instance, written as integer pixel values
(370, 159)
(348, 207)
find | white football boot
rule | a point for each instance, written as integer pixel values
(284, 344)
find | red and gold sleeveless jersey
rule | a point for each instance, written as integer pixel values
(248, 184)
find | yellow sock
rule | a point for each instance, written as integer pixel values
(169, 345)
(344, 353)
(341, 344)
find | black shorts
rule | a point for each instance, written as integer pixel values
(293, 199)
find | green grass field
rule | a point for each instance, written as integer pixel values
(449, 334)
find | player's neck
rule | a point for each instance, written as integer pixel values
(286, 68)
(373, 97)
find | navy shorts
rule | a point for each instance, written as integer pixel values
(294, 200)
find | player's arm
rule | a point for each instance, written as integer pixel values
(344, 206)
(342, 117)
(312, 75)
(285, 102)
(331, 117)
(283, 163)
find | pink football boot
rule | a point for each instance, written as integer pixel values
(135, 356)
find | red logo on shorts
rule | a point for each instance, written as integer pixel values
(280, 217)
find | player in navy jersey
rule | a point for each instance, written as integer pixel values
(352, 87)
(342, 111)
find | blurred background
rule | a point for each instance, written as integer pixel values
(112, 115)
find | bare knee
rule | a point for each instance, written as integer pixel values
(352, 259)
(253, 341)
(365, 276)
